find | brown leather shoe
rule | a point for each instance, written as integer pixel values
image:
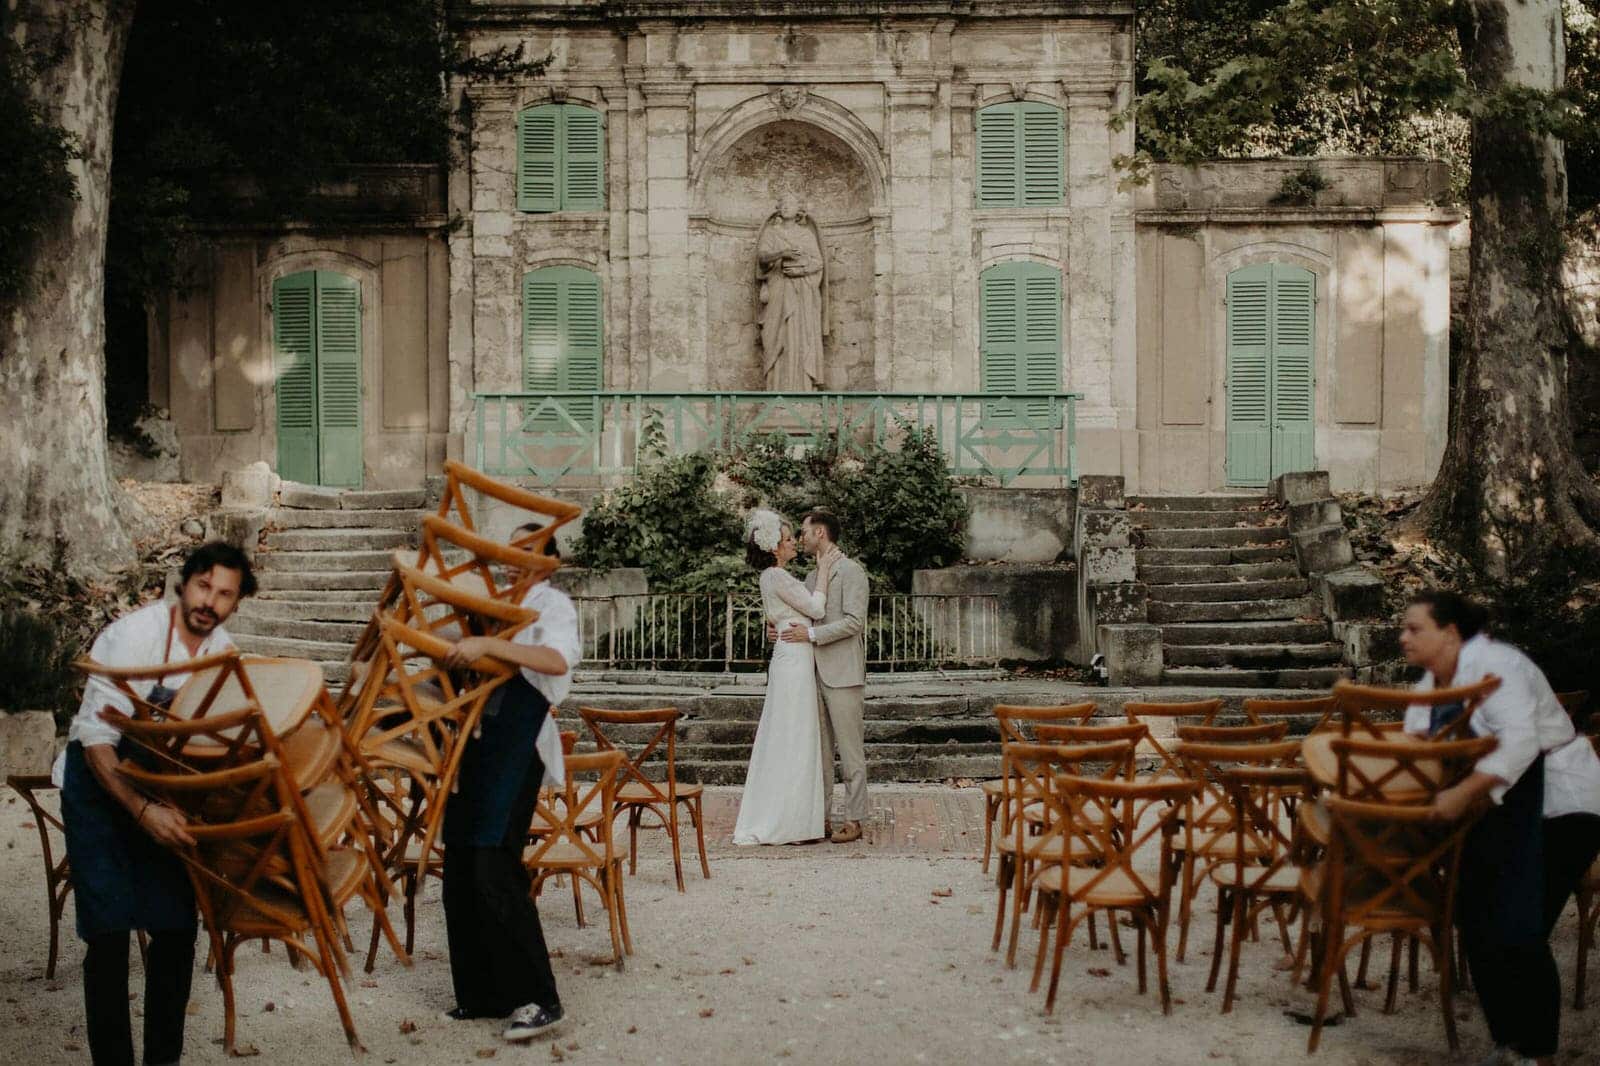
(846, 833)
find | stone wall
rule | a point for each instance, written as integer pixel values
(1380, 249)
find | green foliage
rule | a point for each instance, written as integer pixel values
(1301, 187)
(36, 671)
(1552, 619)
(34, 154)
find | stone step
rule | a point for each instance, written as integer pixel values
(1206, 519)
(309, 610)
(1191, 575)
(383, 499)
(917, 768)
(1222, 591)
(1234, 611)
(1185, 633)
(324, 580)
(307, 561)
(1201, 676)
(368, 597)
(1215, 556)
(290, 518)
(694, 731)
(1228, 502)
(342, 633)
(1210, 538)
(320, 651)
(337, 539)
(1255, 656)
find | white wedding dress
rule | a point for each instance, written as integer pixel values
(783, 798)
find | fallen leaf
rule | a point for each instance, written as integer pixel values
(556, 1052)
(572, 1046)
(706, 1012)
(369, 983)
(269, 1008)
(633, 1028)
(747, 960)
(245, 1051)
(944, 893)
(193, 1008)
(486, 1052)
(71, 1045)
(724, 971)
(408, 1026)
(1099, 971)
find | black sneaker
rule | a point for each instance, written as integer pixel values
(531, 1021)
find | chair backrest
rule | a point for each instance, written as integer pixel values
(1265, 799)
(477, 571)
(1403, 769)
(1054, 733)
(566, 825)
(421, 699)
(460, 477)
(1015, 720)
(1361, 705)
(1255, 733)
(1146, 712)
(218, 667)
(665, 735)
(1391, 865)
(1212, 824)
(1259, 710)
(1113, 815)
(1030, 770)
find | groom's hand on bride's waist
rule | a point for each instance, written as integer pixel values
(772, 632)
(796, 633)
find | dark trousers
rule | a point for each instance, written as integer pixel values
(498, 958)
(169, 965)
(1518, 984)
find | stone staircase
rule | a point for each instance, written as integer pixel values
(1232, 604)
(323, 560)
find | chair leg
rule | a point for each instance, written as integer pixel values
(1002, 880)
(622, 912)
(1158, 937)
(1332, 959)
(677, 852)
(1047, 906)
(1395, 941)
(1411, 972)
(224, 956)
(1185, 903)
(608, 884)
(1116, 939)
(1063, 926)
(1442, 953)
(1223, 913)
(697, 815)
(1140, 922)
(58, 905)
(380, 922)
(633, 839)
(1094, 934)
(1361, 967)
(1239, 911)
(991, 809)
(413, 886)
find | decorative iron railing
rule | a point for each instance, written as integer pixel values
(550, 436)
(709, 631)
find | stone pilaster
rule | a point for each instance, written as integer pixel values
(918, 337)
(666, 173)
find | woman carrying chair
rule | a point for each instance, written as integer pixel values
(498, 959)
(1523, 859)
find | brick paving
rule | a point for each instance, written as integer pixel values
(903, 820)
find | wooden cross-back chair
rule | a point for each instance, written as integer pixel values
(639, 792)
(1014, 721)
(1359, 707)
(1259, 710)
(57, 875)
(1206, 836)
(1167, 763)
(460, 479)
(1389, 868)
(1403, 769)
(255, 873)
(1024, 850)
(1261, 869)
(569, 848)
(1121, 828)
(1252, 733)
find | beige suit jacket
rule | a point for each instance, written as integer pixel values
(841, 643)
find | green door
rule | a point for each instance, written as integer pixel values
(1270, 373)
(1019, 344)
(562, 345)
(316, 325)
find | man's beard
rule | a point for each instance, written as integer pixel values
(200, 620)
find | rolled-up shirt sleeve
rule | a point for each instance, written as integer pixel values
(557, 627)
(1508, 715)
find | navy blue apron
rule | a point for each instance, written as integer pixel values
(495, 766)
(1501, 896)
(121, 878)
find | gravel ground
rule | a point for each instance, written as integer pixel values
(831, 955)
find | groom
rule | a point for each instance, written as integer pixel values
(841, 663)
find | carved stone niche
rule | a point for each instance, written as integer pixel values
(741, 188)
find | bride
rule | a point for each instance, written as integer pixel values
(783, 799)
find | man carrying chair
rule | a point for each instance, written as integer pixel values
(125, 875)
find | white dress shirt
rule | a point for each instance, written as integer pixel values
(136, 639)
(1525, 716)
(556, 627)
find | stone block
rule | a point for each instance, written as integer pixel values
(432, 491)
(1322, 549)
(250, 487)
(1315, 513)
(1368, 643)
(239, 527)
(1103, 529)
(1101, 492)
(1038, 603)
(155, 458)
(1114, 565)
(1019, 525)
(580, 581)
(1354, 593)
(1118, 604)
(311, 497)
(27, 742)
(1132, 654)
(1306, 486)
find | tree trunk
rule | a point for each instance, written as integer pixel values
(1511, 495)
(57, 499)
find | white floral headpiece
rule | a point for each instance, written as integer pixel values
(764, 529)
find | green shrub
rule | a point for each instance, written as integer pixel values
(36, 670)
(1548, 617)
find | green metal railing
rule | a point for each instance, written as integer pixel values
(550, 436)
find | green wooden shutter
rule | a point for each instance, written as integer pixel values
(1042, 155)
(562, 341)
(339, 379)
(583, 147)
(538, 158)
(1249, 357)
(1041, 337)
(294, 359)
(1294, 316)
(998, 173)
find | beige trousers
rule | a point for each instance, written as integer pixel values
(841, 712)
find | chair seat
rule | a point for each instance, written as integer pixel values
(331, 806)
(345, 870)
(994, 789)
(1034, 814)
(1316, 822)
(587, 819)
(1285, 880)
(1050, 851)
(634, 792)
(309, 753)
(1219, 847)
(1115, 889)
(565, 855)
(402, 753)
